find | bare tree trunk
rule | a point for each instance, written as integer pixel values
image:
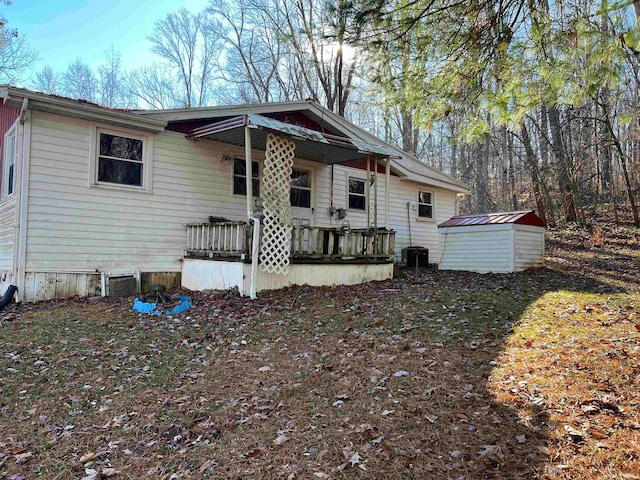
(512, 174)
(532, 162)
(544, 143)
(562, 165)
(622, 157)
(408, 144)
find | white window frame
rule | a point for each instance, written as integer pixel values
(147, 158)
(309, 188)
(366, 186)
(7, 162)
(432, 205)
(233, 176)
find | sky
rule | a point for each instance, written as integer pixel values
(62, 30)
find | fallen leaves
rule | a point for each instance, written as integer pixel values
(281, 439)
(21, 458)
(87, 457)
(354, 459)
(403, 388)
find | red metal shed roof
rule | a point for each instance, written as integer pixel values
(523, 217)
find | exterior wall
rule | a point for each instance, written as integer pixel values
(529, 247)
(78, 228)
(7, 233)
(214, 275)
(8, 116)
(319, 275)
(8, 208)
(482, 248)
(202, 275)
(410, 231)
(49, 286)
(74, 227)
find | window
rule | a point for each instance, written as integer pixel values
(120, 160)
(240, 177)
(9, 168)
(300, 188)
(425, 204)
(357, 199)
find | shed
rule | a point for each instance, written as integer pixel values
(492, 242)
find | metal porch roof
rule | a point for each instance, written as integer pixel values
(310, 144)
(523, 217)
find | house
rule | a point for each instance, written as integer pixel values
(503, 242)
(253, 196)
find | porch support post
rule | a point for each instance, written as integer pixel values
(248, 170)
(368, 190)
(375, 191)
(387, 187)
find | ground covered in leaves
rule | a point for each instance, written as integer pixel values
(438, 376)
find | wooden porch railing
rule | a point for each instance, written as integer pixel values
(227, 239)
(308, 243)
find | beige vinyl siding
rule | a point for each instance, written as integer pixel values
(423, 232)
(77, 228)
(484, 248)
(529, 247)
(73, 227)
(7, 233)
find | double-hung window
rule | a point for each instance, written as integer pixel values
(300, 188)
(240, 177)
(120, 160)
(357, 197)
(425, 204)
(9, 167)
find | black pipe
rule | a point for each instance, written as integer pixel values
(8, 295)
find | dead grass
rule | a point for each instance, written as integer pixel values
(440, 376)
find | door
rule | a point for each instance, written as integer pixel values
(301, 197)
(301, 208)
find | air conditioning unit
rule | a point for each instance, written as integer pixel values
(415, 257)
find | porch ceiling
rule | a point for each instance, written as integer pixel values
(310, 144)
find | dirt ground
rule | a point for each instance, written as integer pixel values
(440, 375)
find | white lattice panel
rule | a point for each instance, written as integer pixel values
(275, 249)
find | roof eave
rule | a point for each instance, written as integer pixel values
(435, 179)
(73, 108)
(199, 113)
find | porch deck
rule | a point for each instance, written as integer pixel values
(232, 241)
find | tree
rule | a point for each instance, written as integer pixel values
(48, 81)
(113, 89)
(15, 54)
(536, 69)
(289, 49)
(79, 81)
(153, 88)
(188, 50)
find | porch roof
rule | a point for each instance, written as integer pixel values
(310, 144)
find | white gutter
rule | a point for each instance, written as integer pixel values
(79, 109)
(22, 197)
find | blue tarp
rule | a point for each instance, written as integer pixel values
(149, 308)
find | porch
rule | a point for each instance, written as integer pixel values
(233, 241)
(219, 256)
(265, 251)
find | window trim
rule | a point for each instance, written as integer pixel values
(364, 195)
(233, 175)
(147, 158)
(12, 132)
(309, 188)
(432, 205)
